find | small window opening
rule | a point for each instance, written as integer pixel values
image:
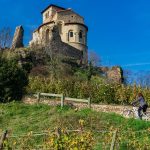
(71, 33)
(47, 35)
(80, 35)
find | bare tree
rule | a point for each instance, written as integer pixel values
(94, 59)
(5, 38)
(143, 78)
(129, 77)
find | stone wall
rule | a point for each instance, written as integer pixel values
(68, 22)
(18, 38)
(69, 16)
(39, 35)
(97, 107)
(57, 46)
(75, 41)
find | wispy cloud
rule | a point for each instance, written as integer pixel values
(136, 64)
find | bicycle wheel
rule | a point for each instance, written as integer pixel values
(128, 114)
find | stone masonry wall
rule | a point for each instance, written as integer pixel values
(60, 47)
(69, 16)
(56, 45)
(18, 38)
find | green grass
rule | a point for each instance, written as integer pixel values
(21, 118)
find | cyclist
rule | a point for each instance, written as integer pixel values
(142, 104)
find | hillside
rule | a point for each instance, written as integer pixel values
(21, 119)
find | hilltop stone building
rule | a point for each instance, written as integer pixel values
(64, 29)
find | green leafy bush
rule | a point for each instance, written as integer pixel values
(97, 89)
(13, 79)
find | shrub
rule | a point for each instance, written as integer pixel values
(13, 79)
(97, 89)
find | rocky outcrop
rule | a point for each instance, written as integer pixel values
(18, 38)
(115, 74)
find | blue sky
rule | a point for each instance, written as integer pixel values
(119, 30)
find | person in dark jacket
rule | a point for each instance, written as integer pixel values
(142, 104)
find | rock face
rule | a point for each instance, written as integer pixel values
(18, 38)
(115, 74)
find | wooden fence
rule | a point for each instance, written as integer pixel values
(63, 98)
(4, 136)
(2, 139)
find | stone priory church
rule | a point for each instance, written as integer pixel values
(71, 30)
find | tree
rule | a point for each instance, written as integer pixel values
(13, 79)
(5, 37)
(94, 59)
(143, 78)
(94, 62)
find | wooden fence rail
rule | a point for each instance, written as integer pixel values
(58, 133)
(112, 147)
(63, 98)
(3, 137)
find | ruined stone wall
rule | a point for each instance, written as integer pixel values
(115, 74)
(18, 38)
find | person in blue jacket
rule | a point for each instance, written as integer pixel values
(142, 104)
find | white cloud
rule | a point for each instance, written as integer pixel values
(136, 64)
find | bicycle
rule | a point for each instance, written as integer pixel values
(133, 113)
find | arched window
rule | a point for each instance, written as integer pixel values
(47, 35)
(70, 35)
(60, 27)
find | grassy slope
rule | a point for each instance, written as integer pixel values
(21, 118)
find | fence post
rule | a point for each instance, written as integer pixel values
(38, 97)
(112, 147)
(62, 100)
(89, 102)
(3, 137)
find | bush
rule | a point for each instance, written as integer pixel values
(97, 89)
(13, 79)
